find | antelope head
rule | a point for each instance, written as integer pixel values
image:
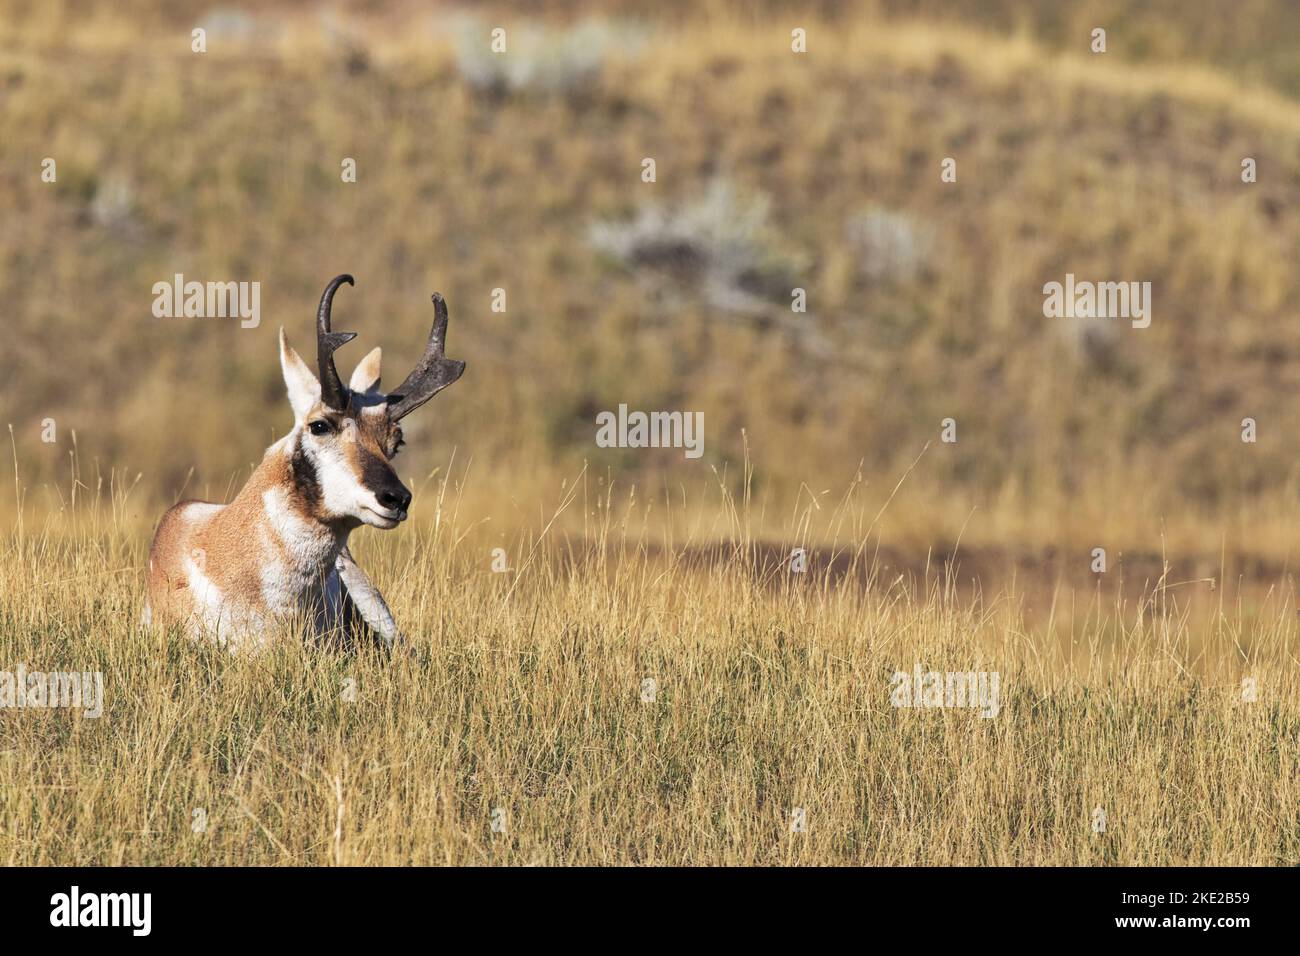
(345, 437)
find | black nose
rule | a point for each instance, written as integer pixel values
(395, 499)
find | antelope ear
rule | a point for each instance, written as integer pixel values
(302, 386)
(365, 378)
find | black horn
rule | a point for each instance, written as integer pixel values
(332, 392)
(432, 373)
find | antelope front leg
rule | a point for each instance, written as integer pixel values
(368, 601)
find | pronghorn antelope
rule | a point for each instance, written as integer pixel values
(280, 548)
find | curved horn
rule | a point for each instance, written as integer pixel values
(432, 373)
(332, 392)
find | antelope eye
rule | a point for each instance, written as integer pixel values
(319, 427)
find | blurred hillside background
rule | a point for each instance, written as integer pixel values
(522, 171)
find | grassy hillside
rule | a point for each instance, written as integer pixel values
(774, 171)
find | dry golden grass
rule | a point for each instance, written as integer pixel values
(525, 693)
